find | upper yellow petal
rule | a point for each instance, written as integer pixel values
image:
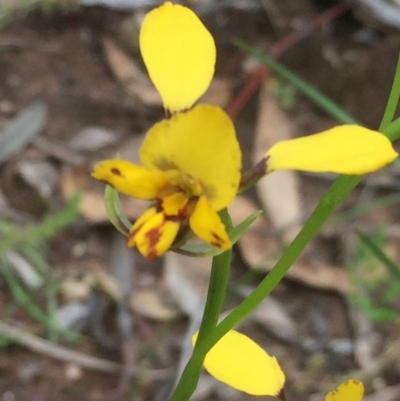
(132, 179)
(201, 143)
(179, 54)
(239, 362)
(351, 390)
(207, 225)
(346, 149)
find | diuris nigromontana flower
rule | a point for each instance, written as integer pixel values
(191, 162)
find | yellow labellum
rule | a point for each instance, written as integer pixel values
(351, 390)
(346, 149)
(179, 54)
(201, 144)
(239, 362)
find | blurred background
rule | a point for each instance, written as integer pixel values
(84, 317)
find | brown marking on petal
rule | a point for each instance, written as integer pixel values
(184, 212)
(153, 237)
(116, 171)
(159, 206)
(171, 217)
(217, 237)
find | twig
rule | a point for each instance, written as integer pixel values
(49, 349)
(45, 347)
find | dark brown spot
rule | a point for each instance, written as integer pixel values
(116, 171)
(153, 236)
(217, 237)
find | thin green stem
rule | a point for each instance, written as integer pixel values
(337, 192)
(220, 271)
(393, 100)
(392, 131)
(310, 91)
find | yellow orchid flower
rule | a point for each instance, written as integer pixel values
(191, 162)
(350, 390)
(241, 363)
(191, 167)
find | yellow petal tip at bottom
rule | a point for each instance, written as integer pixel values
(239, 362)
(350, 390)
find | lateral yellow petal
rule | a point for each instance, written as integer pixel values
(346, 149)
(241, 363)
(132, 179)
(207, 225)
(350, 390)
(145, 216)
(155, 236)
(201, 143)
(179, 54)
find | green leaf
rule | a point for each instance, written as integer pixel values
(114, 211)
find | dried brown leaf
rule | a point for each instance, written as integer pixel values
(154, 303)
(133, 79)
(279, 192)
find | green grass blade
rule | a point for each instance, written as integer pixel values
(390, 264)
(307, 89)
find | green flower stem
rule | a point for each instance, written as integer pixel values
(393, 99)
(392, 131)
(220, 271)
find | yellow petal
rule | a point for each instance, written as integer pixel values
(179, 54)
(145, 216)
(202, 144)
(132, 179)
(207, 225)
(154, 236)
(346, 149)
(351, 390)
(173, 206)
(239, 362)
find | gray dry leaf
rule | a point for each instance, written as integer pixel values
(272, 315)
(91, 139)
(41, 175)
(25, 270)
(133, 79)
(22, 129)
(187, 278)
(278, 192)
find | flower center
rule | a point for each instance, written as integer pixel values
(185, 183)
